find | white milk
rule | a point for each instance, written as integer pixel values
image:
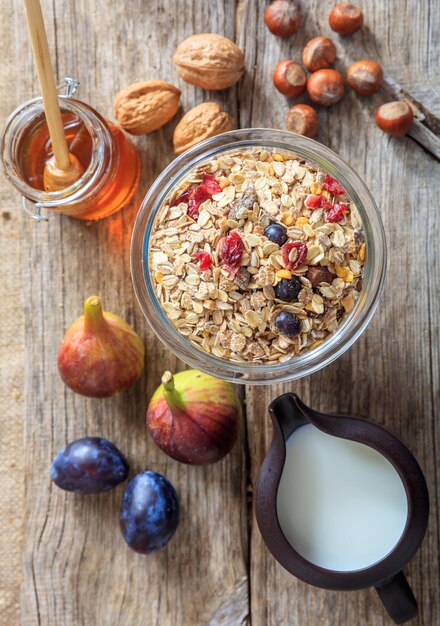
(341, 504)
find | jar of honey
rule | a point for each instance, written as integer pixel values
(111, 162)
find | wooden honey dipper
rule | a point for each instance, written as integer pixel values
(63, 168)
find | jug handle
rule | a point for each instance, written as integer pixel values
(398, 598)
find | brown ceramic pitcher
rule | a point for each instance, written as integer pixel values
(289, 413)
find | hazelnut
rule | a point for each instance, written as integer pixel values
(282, 18)
(319, 53)
(325, 87)
(209, 61)
(143, 107)
(395, 118)
(203, 121)
(365, 77)
(345, 18)
(303, 120)
(290, 78)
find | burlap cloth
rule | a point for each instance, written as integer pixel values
(11, 410)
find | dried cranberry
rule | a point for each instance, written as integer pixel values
(336, 213)
(317, 202)
(332, 185)
(184, 197)
(204, 258)
(210, 185)
(301, 254)
(230, 252)
(195, 196)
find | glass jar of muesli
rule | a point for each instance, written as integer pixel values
(258, 256)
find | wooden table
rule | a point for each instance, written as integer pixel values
(76, 569)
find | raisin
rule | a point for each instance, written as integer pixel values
(286, 250)
(332, 185)
(336, 213)
(231, 252)
(205, 260)
(318, 275)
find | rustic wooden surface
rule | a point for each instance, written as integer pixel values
(73, 565)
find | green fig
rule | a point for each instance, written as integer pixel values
(194, 417)
(100, 354)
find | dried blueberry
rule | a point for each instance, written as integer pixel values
(288, 324)
(276, 233)
(288, 289)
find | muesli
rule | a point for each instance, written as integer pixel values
(257, 257)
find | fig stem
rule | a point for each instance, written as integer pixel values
(93, 317)
(172, 397)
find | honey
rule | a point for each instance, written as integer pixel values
(110, 161)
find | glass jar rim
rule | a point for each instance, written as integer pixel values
(80, 187)
(373, 281)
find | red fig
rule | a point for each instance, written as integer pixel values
(194, 417)
(100, 354)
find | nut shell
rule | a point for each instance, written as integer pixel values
(209, 61)
(282, 18)
(395, 118)
(346, 18)
(289, 78)
(365, 77)
(303, 120)
(146, 106)
(203, 121)
(319, 53)
(325, 87)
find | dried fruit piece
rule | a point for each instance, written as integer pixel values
(209, 61)
(319, 53)
(317, 202)
(203, 121)
(336, 213)
(204, 258)
(195, 196)
(294, 254)
(288, 290)
(288, 324)
(333, 186)
(276, 233)
(303, 120)
(318, 274)
(289, 78)
(282, 18)
(146, 106)
(230, 252)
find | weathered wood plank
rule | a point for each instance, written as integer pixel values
(77, 567)
(391, 374)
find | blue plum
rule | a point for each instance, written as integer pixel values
(89, 465)
(149, 512)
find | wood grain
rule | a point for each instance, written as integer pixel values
(217, 571)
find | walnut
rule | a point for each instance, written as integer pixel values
(146, 106)
(203, 121)
(209, 61)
